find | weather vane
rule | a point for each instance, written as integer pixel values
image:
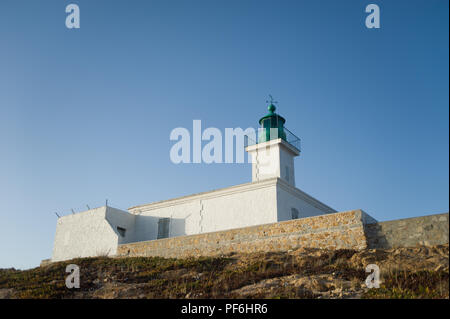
(271, 100)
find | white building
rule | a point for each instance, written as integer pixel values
(270, 197)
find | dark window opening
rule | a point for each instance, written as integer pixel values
(121, 231)
(294, 213)
(163, 228)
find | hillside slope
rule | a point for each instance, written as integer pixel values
(421, 272)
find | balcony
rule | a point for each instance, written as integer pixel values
(265, 135)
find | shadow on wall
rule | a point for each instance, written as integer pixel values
(151, 227)
(177, 227)
(375, 236)
(410, 232)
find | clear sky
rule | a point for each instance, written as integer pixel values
(86, 114)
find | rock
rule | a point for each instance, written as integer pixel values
(6, 293)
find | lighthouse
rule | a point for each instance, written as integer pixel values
(274, 152)
(270, 197)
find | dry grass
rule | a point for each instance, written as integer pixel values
(303, 273)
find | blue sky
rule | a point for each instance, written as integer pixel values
(86, 114)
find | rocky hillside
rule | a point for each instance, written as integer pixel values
(421, 272)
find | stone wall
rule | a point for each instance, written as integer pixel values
(333, 231)
(426, 230)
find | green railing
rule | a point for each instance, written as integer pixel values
(264, 135)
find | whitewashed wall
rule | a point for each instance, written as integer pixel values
(91, 233)
(256, 203)
(95, 233)
(265, 162)
(289, 197)
(271, 159)
(184, 217)
(119, 218)
(233, 207)
(287, 168)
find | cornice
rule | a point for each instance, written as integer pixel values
(307, 198)
(205, 195)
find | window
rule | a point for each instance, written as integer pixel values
(121, 231)
(163, 228)
(294, 213)
(287, 173)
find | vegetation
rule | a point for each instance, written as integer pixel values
(303, 273)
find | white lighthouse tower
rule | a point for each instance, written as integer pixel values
(273, 155)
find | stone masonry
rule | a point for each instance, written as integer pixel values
(334, 231)
(426, 230)
(345, 230)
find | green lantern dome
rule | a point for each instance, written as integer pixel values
(269, 122)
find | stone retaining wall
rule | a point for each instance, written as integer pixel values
(346, 230)
(333, 231)
(426, 230)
